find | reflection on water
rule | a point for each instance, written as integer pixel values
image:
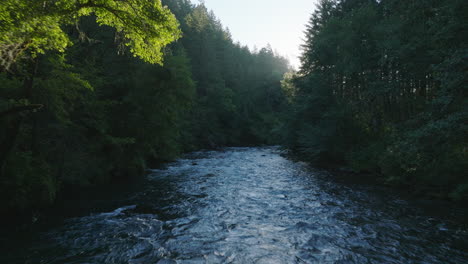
(251, 205)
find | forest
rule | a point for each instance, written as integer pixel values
(97, 91)
(86, 100)
(383, 89)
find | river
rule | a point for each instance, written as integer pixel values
(252, 205)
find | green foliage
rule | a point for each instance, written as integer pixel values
(31, 184)
(87, 114)
(382, 88)
(33, 27)
(239, 97)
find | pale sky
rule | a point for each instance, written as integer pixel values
(258, 22)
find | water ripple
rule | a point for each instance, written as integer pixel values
(251, 205)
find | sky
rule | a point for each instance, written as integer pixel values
(256, 23)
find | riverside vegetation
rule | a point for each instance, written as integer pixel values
(382, 89)
(94, 91)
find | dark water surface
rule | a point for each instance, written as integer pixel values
(251, 205)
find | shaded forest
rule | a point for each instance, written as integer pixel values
(382, 89)
(98, 91)
(87, 100)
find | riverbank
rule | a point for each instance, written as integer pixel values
(416, 190)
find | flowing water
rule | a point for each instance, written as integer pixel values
(251, 205)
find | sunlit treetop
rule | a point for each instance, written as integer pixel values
(36, 26)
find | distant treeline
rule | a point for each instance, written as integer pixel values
(383, 89)
(78, 109)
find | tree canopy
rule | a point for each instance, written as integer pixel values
(88, 114)
(34, 27)
(382, 88)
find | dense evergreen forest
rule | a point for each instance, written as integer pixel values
(98, 91)
(383, 89)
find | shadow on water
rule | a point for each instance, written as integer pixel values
(251, 205)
